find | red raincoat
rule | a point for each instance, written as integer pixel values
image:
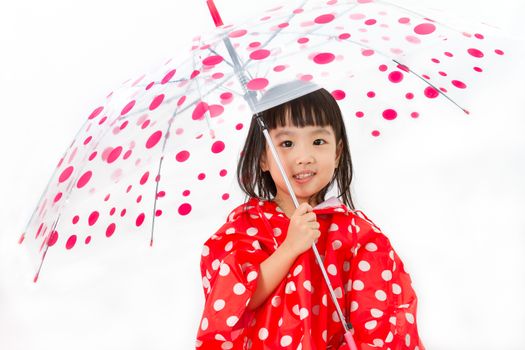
(367, 275)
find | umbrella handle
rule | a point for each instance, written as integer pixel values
(350, 343)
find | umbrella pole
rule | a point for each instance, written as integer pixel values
(346, 325)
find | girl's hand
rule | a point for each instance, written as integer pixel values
(303, 230)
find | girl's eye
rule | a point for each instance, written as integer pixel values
(319, 142)
(286, 143)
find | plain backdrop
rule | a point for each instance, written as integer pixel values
(453, 206)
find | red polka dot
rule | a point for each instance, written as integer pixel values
(237, 33)
(217, 147)
(359, 114)
(225, 196)
(110, 230)
(127, 108)
(93, 217)
(370, 22)
(75, 219)
(168, 76)
(257, 84)
(140, 219)
(71, 241)
(144, 178)
(66, 173)
(376, 133)
(338, 94)
(182, 156)
(186, 193)
(95, 112)
(194, 74)
(154, 139)
(324, 19)
(184, 209)
(259, 54)
(223, 172)
(201, 176)
(424, 28)
(409, 96)
(370, 94)
(324, 58)
(459, 84)
(389, 114)
(114, 154)
(431, 92)
(239, 126)
(477, 69)
(475, 53)
(156, 102)
(53, 238)
(303, 40)
(212, 61)
(158, 212)
(84, 179)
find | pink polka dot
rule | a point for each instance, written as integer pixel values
(66, 173)
(367, 52)
(88, 239)
(412, 39)
(257, 84)
(409, 96)
(371, 94)
(283, 25)
(404, 20)
(389, 114)
(279, 68)
(158, 212)
(181, 100)
(168, 76)
(201, 176)
(254, 44)
(226, 96)
(303, 40)
(359, 114)
(424, 28)
(150, 85)
(431, 92)
(449, 54)
(57, 197)
(71, 241)
(499, 52)
(95, 112)
(156, 102)
(479, 36)
(75, 219)
(84, 179)
(344, 36)
(298, 11)
(459, 84)
(225, 196)
(477, 69)
(127, 108)
(383, 67)
(376, 133)
(414, 115)
(93, 217)
(357, 16)
(239, 126)
(324, 19)
(370, 22)
(217, 75)
(53, 238)
(395, 76)
(217, 147)
(154, 139)
(184, 209)
(475, 53)
(237, 33)
(110, 230)
(324, 58)
(435, 60)
(114, 154)
(186, 193)
(140, 219)
(194, 74)
(223, 172)
(182, 156)
(306, 77)
(212, 61)
(260, 54)
(112, 211)
(443, 74)
(338, 94)
(144, 178)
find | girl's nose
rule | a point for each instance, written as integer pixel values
(304, 159)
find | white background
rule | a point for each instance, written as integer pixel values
(453, 201)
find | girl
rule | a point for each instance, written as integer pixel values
(261, 282)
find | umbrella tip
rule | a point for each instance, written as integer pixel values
(22, 237)
(35, 279)
(151, 243)
(214, 13)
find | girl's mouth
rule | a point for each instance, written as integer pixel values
(303, 176)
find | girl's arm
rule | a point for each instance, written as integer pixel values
(302, 232)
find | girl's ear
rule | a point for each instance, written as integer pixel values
(263, 164)
(338, 153)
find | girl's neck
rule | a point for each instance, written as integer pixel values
(287, 206)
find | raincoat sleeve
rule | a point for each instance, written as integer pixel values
(229, 266)
(382, 301)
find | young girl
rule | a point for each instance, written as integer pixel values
(261, 281)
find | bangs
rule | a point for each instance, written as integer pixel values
(304, 111)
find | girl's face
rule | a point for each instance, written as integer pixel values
(309, 156)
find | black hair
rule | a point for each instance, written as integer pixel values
(318, 108)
